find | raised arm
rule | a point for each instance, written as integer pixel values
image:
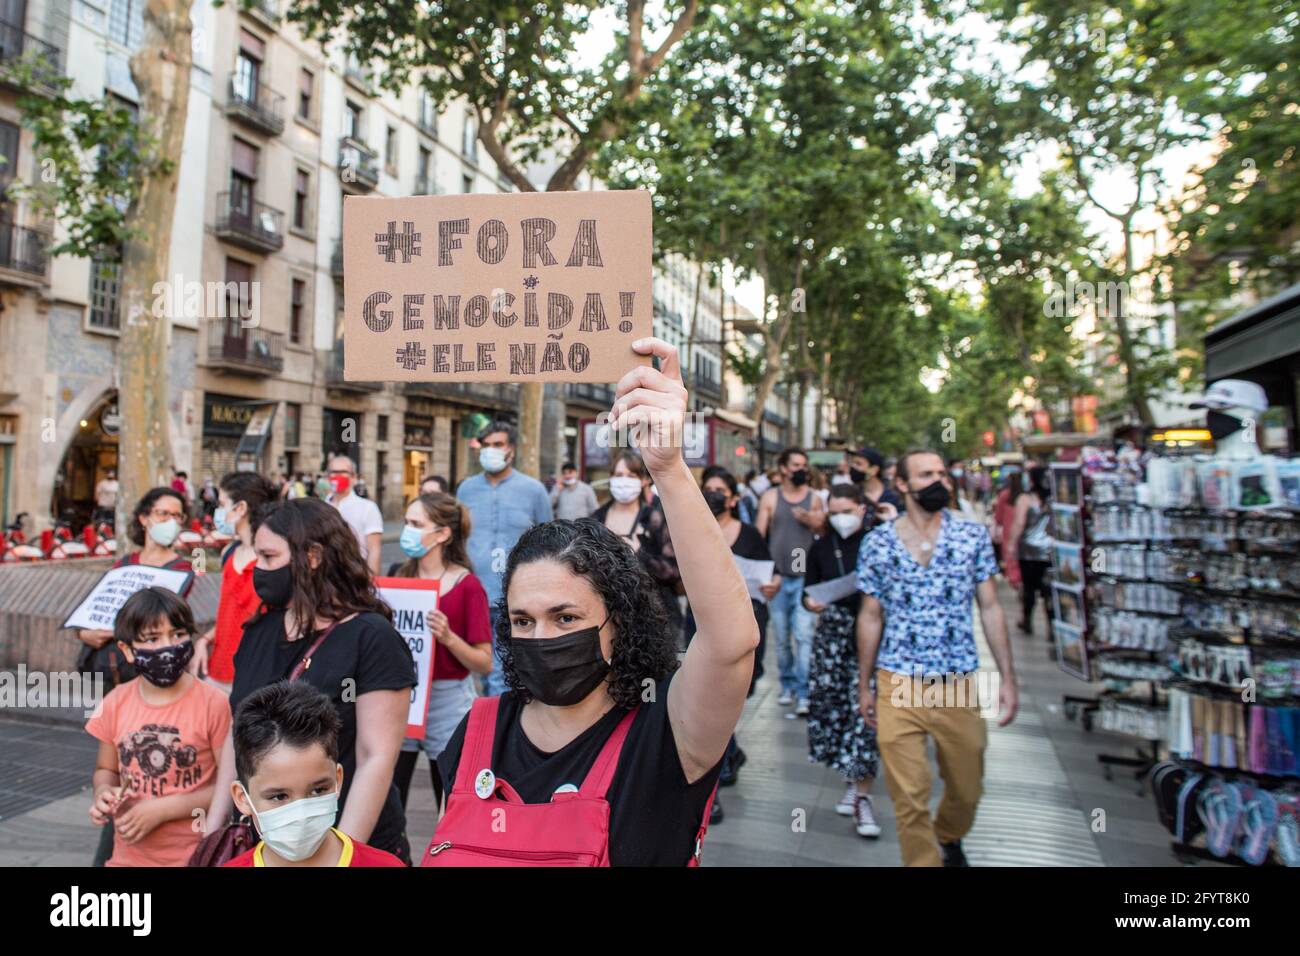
(765, 505)
(708, 693)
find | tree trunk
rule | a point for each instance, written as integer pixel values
(1127, 355)
(823, 389)
(161, 72)
(773, 343)
(528, 458)
(688, 367)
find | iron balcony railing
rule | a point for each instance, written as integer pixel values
(16, 44)
(255, 105)
(234, 346)
(334, 375)
(249, 223)
(23, 249)
(358, 165)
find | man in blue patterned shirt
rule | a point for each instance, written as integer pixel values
(918, 575)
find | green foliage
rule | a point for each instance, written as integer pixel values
(91, 156)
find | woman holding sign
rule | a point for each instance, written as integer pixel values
(155, 524)
(437, 526)
(322, 621)
(613, 746)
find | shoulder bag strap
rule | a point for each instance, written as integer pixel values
(476, 749)
(305, 663)
(601, 774)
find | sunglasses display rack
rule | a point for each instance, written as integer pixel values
(1189, 617)
(1126, 608)
(1230, 788)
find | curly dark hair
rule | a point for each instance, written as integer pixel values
(135, 530)
(644, 647)
(341, 584)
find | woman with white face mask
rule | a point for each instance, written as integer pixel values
(643, 527)
(156, 523)
(624, 513)
(433, 540)
(837, 734)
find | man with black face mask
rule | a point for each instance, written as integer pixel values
(865, 465)
(918, 576)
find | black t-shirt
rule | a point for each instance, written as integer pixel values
(832, 557)
(361, 655)
(654, 813)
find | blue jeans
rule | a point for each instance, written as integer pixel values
(792, 630)
(495, 682)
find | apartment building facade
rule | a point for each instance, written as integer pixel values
(279, 131)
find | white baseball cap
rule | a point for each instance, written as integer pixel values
(1233, 393)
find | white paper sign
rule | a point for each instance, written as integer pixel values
(98, 611)
(836, 589)
(412, 601)
(756, 574)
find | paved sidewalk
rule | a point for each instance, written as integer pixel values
(1042, 787)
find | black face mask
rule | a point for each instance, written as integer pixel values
(1221, 425)
(163, 666)
(275, 588)
(933, 497)
(560, 671)
(799, 478)
(857, 476)
(717, 501)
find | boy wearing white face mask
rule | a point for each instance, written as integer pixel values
(837, 734)
(289, 780)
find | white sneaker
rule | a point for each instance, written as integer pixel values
(847, 802)
(864, 819)
(786, 698)
(803, 707)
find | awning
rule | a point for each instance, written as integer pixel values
(248, 455)
(735, 418)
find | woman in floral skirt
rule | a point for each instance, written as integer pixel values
(837, 734)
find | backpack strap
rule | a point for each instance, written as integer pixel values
(476, 750)
(601, 775)
(698, 849)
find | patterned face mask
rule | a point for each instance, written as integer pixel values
(163, 666)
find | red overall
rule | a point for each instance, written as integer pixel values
(501, 830)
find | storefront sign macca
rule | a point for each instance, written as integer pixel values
(225, 417)
(544, 287)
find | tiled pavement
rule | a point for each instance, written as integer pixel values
(1042, 788)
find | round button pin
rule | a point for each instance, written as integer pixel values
(485, 783)
(564, 788)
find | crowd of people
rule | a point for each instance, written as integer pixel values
(593, 658)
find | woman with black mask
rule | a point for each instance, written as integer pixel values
(322, 621)
(722, 495)
(1028, 546)
(605, 750)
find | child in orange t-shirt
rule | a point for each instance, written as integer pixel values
(289, 778)
(160, 735)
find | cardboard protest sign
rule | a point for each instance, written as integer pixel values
(98, 610)
(510, 287)
(412, 601)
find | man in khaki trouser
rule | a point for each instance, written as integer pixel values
(918, 575)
